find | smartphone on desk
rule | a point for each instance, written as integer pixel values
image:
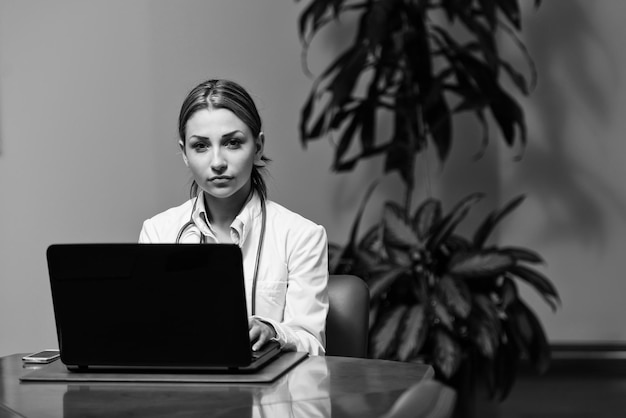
(41, 357)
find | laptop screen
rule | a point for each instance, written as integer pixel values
(149, 305)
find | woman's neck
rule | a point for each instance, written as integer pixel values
(222, 212)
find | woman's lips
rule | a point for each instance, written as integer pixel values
(220, 179)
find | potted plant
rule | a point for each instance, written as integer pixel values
(435, 295)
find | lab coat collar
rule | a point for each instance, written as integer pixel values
(240, 227)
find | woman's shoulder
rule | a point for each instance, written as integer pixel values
(288, 219)
(165, 226)
(295, 235)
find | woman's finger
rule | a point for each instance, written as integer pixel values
(259, 334)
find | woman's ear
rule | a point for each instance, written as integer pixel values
(258, 155)
(181, 144)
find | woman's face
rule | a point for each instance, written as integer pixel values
(220, 150)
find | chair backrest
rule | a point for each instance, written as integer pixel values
(347, 324)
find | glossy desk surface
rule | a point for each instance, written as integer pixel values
(317, 387)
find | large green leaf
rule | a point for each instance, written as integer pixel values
(508, 292)
(509, 114)
(384, 335)
(368, 126)
(320, 12)
(485, 309)
(312, 18)
(305, 116)
(486, 337)
(372, 240)
(516, 76)
(516, 331)
(400, 257)
(523, 254)
(511, 10)
(397, 231)
(441, 314)
(482, 263)
(490, 222)
(447, 353)
(413, 334)
(456, 243)
(539, 282)
(532, 335)
(354, 231)
(455, 294)
(382, 280)
(506, 111)
(427, 215)
(449, 223)
(523, 85)
(484, 44)
(406, 140)
(347, 76)
(345, 140)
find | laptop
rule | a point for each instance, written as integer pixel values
(161, 307)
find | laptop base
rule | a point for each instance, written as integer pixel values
(58, 372)
(269, 353)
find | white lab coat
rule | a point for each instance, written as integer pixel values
(292, 292)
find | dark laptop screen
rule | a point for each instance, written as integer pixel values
(149, 304)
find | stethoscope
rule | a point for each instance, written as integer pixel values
(191, 223)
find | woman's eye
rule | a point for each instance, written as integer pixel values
(233, 143)
(199, 146)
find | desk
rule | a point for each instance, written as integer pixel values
(318, 387)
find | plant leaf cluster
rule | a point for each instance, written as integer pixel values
(413, 68)
(436, 296)
(443, 298)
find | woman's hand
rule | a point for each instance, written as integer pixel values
(260, 333)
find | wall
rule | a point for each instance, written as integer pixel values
(574, 169)
(90, 91)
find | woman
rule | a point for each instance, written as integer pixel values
(285, 255)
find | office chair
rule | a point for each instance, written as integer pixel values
(347, 324)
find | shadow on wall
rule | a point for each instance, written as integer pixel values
(569, 52)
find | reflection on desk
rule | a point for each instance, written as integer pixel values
(318, 387)
(305, 392)
(302, 393)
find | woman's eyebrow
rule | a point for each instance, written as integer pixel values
(227, 135)
(230, 134)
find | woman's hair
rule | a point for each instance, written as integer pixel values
(224, 94)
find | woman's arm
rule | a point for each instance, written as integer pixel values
(306, 305)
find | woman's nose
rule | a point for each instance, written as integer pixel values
(218, 162)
